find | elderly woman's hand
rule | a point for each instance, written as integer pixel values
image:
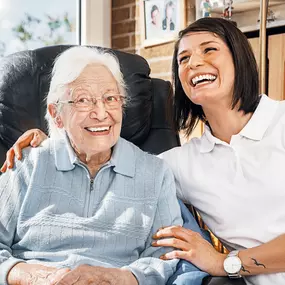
(86, 274)
(35, 274)
(32, 137)
(192, 247)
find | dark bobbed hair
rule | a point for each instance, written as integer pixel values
(186, 114)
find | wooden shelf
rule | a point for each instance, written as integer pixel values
(246, 13)
(245, 5)
(257, 26)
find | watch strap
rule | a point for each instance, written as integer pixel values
(233, 253)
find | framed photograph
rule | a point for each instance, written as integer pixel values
(161, 20)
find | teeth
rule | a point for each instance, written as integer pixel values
(101, 129)
(199, 78)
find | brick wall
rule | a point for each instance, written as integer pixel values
(126, 35)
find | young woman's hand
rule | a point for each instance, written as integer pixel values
(32, 137)
(190, 246)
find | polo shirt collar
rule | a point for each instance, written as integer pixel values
(208, 141)
(261, 119)
(65, 157)
(254, 129)
(122, 159)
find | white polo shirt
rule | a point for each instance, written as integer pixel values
(238, 188)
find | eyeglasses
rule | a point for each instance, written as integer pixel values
(85, 102)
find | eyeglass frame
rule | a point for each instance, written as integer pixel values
(94, 101)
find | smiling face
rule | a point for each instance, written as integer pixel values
(206, 69)
(95, 131)
(155, 17)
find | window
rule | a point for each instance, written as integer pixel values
(32, 24)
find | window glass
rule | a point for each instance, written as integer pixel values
(31, 24)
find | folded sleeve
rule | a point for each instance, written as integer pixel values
(149, 269)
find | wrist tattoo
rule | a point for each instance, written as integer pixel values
(244, 270)
(257, 263)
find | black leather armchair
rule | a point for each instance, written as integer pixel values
(24, 83)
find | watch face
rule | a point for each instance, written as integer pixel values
(232, 264)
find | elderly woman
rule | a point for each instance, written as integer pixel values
(83, 207)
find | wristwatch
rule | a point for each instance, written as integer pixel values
(233, 265)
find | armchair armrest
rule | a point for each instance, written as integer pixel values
(208, 280)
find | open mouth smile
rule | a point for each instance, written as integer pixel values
(98, 129)
(205, 79)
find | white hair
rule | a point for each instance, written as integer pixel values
(68, 67)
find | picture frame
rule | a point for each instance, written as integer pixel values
(161, 20)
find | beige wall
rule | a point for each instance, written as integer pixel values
(96, 22)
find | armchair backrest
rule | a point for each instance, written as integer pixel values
(24, 83)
